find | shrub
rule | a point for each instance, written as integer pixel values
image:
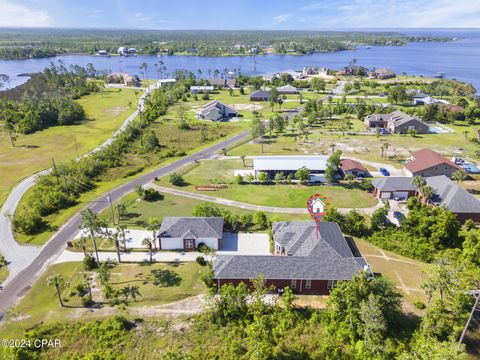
(151, 195)
(86, 302)
(201, 261)
(89, 263)
(175, 179)
(419, 304)
(202, 247)
(28, 222)
(81, 289)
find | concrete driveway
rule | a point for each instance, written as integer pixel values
(244, 244)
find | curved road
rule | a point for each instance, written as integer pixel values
(19, 256)
(21, 282)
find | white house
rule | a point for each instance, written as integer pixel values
(197, 89)
(290, 164)
(187, 233)
(163, 82)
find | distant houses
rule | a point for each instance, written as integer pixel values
(165, 82)
(287, 90)
(125, 51)
(221, 83)
(309, 258)
(260, 95)
(123, 79)
(426, 163)
(382, 74)
(198, 89)
(102, 52)
(397, 122)
(216, 111)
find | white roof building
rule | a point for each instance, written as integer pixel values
(315, 163)
(162, 82)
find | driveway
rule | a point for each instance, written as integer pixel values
(391, 169)
(244, 244)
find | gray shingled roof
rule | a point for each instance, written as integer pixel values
(328, 258)
(191, 227)
(260, 93)
(394, 183)
(453, 196)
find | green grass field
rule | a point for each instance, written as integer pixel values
(292, 195)
(106, 111)
(159, 283)
(3, 274)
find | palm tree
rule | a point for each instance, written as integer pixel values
(148, 243)
(418, 182)
(131, 291)
(144, 67)
(459, 176)
(121, 229)
(91, 224)
(81, 243)
(56, 281)
(153, 225)
(113, 239)
(88, 282)
(427, 192)
(121, 210)
(243, 159)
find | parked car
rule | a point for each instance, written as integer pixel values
(398, 215)
(384, 131)
(384, 172)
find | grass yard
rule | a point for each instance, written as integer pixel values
(291, 195)
(3, 274)
(407, 274)
(159, 283)
(106, 111)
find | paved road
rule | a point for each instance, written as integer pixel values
(19, 285)
(18, 256)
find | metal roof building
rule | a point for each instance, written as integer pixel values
(315, 163)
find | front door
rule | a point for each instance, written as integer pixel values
(189, 244)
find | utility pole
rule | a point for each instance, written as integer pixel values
(55, 171)
(76, 144)
(109, 197)
(470, 317)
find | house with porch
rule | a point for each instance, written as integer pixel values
(187, 233)
(216, 111)
(309, 258)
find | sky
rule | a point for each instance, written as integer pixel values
(241, 14)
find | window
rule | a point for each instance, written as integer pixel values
(331, 284)
(308, 284)
(293, 284)
(189, 243)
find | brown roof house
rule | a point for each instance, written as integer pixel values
(397, 122)
(353, 167)
(308, 259)
(382, 74)
(426, 162)
(123, 78)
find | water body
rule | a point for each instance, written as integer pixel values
(457, 59)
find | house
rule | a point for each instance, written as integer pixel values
(353, 167)
(312, 71)
(123, 78)
(215, 111)
(427, 100)
(260, 95)
(103, 52)
(188, 233)
(416, 94)
(132, 51)
(164, 82)
(382, 74)
(221, 83)
(397, 122)
(197, 89)
(289, 164)
(122, 51)
(426, 162)
(287, 89)
(309, 258)
(447, 193)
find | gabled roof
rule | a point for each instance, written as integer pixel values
(290, 162)
(349, 164)
(398, 118)
(287, 88)
(394, 183)
(424, 159)
(191, 227)
(327, 258)
(453, 196)
(260, 93)
(215, 104)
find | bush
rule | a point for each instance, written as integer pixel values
(86, 302)
(89, 263)
(419, 304)
(28, 222)
(202, 247)
(175, 179)
(201, 261)
(151, 195)
(81, 289)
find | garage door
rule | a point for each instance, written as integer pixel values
(386, 195)
(400, 194)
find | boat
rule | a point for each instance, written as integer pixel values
(439, 75)
(367, 47)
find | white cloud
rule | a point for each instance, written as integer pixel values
(282, 18)
(21, 16)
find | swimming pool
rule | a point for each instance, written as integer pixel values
(436, 130)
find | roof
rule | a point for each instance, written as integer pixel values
(328, 258)
(398, 118)
(222, 82)
(191, 227)
(384, 72)
(215, 104)
(207, 87)
(290, 163)
(394, 183)
(260, 93)
(424, 159)
(349, 164)
(288, 88)
(447, 192)
(452, 196)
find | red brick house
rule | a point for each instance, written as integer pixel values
(307, 259)
(349, 166)
(426, 162)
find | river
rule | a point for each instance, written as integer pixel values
(457, 59)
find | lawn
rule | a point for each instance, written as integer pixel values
(3, 274)
(106, 111)
(159, 283)
(291, 195)
(407, 274)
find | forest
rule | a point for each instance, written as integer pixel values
(34, 43)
